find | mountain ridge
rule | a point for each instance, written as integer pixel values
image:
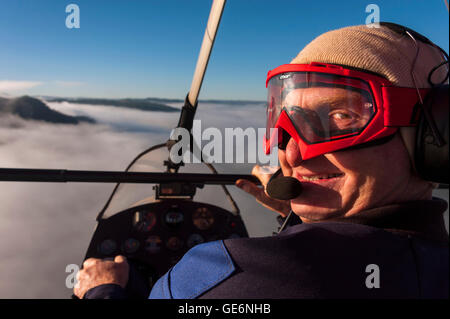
(30, 108)
(139, 104)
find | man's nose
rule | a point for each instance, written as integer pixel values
(293, 156)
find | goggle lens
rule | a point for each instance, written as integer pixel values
(322, 107)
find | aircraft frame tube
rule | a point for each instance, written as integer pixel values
(205, 50)
(63, 176)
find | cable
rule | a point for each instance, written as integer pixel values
(225, 189)
(155, 147)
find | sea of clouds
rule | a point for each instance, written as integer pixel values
(46, 226)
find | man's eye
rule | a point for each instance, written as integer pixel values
(340, 116)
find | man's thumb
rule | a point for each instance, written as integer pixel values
(120, 259)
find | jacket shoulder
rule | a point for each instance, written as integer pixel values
(200, 269)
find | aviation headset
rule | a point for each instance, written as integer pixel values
(431, 151)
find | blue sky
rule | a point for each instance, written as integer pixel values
(148, 48)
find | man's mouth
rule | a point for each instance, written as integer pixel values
(320, 177)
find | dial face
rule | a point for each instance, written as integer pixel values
(145, 226)
(107, 247)
(194, 239)
(174, 217)
(150, 218)
(203, 218)
(153, 244)
(148, 222)
(174, 243)
(131, 245)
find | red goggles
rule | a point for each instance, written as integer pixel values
(326, 108)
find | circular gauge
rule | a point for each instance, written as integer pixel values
(194, 239)
(130, 245)
(107, 247)
(147, 224)
(150, 217)
(174, 243)
(153, 244)
(174, 218)
(203, 218)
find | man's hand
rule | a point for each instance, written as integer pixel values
(282, 207)
(97, 272)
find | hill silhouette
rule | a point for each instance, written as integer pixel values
(30, 108)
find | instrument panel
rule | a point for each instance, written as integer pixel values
(155, 236)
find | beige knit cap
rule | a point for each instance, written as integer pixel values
(378, 50)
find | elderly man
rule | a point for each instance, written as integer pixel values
(367, 225)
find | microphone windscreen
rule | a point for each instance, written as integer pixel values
(284, 188)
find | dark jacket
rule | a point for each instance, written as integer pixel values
(397, 251)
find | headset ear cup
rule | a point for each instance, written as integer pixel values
(432, 161)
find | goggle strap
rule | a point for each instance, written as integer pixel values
(400, 106)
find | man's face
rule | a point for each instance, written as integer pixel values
(346, 182)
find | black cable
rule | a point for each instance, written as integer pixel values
(430, 74)
(434, 70)
(225, 189)
(100, 215)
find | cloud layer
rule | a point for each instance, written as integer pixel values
(46, 226)
(11, 86)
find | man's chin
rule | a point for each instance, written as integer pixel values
(314, 213)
